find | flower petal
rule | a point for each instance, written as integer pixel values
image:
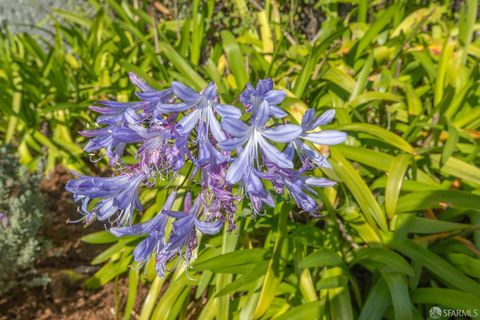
(289, 150)
(275, 97)
(176, 214)
(170, 200)
(264, 85)
(319, 182)
(185, 93)
(129, 135)
(215, 127)
(139, 82)
(144, 249)
(235, 127)
(327, 137)
(307, 119)
(277, 112)
(156, 224)
(188, 122)
(209, 227)
(230, 144)
(246, 94)
(315, 157)
(275, 156)
(254, 184)
(324, 119)
(172, 107)
(283, 133)
(226, 110)
(237, 169)
(210, 91)
(96, 132)
(261, 115)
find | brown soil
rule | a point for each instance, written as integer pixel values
(67, 263)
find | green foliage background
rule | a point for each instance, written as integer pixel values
(398, 234)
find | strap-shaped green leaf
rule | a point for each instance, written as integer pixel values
(396, 175)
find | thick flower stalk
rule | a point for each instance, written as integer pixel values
(220, 154)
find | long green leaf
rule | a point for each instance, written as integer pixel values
(235, 58)
(437, 199)
(394, 183)
(370, 207)
(445, 271)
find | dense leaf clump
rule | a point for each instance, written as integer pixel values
(21, 214)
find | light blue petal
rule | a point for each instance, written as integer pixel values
(231, 144)
(275, 97)
(170, 200)
(316, 157)
(214, 125)
(210, 91)
(235, 127)
(172, 107)
(324, 119)
(144, 249)
(289, 150)
(139, 82)
(277, 112)
(138, 229)
(188, 122)
(275, 156)
(261, 115)
(132, 116)
(104, 209)
(307, 119)
(264, 85)
(319, 182)
(176, 214)
(226, 110)
(254, 184)
(237, 169)
(185, 93)
(209, 227)
(327, 137)
(283, 133)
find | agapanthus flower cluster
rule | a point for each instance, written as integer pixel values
(226, 153)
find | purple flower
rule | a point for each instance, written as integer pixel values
(178, 130)
(297, 185)
(217, 196)
(119, 113)
(113, 138)
(116, 195)
(324, 137)
(154, 229)
(124, 120)
(208, 154)
(263, 97)
(153, 151)
(253, 138)
(256, 192)
(150, 96)
(204, 107)
(183, 236)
